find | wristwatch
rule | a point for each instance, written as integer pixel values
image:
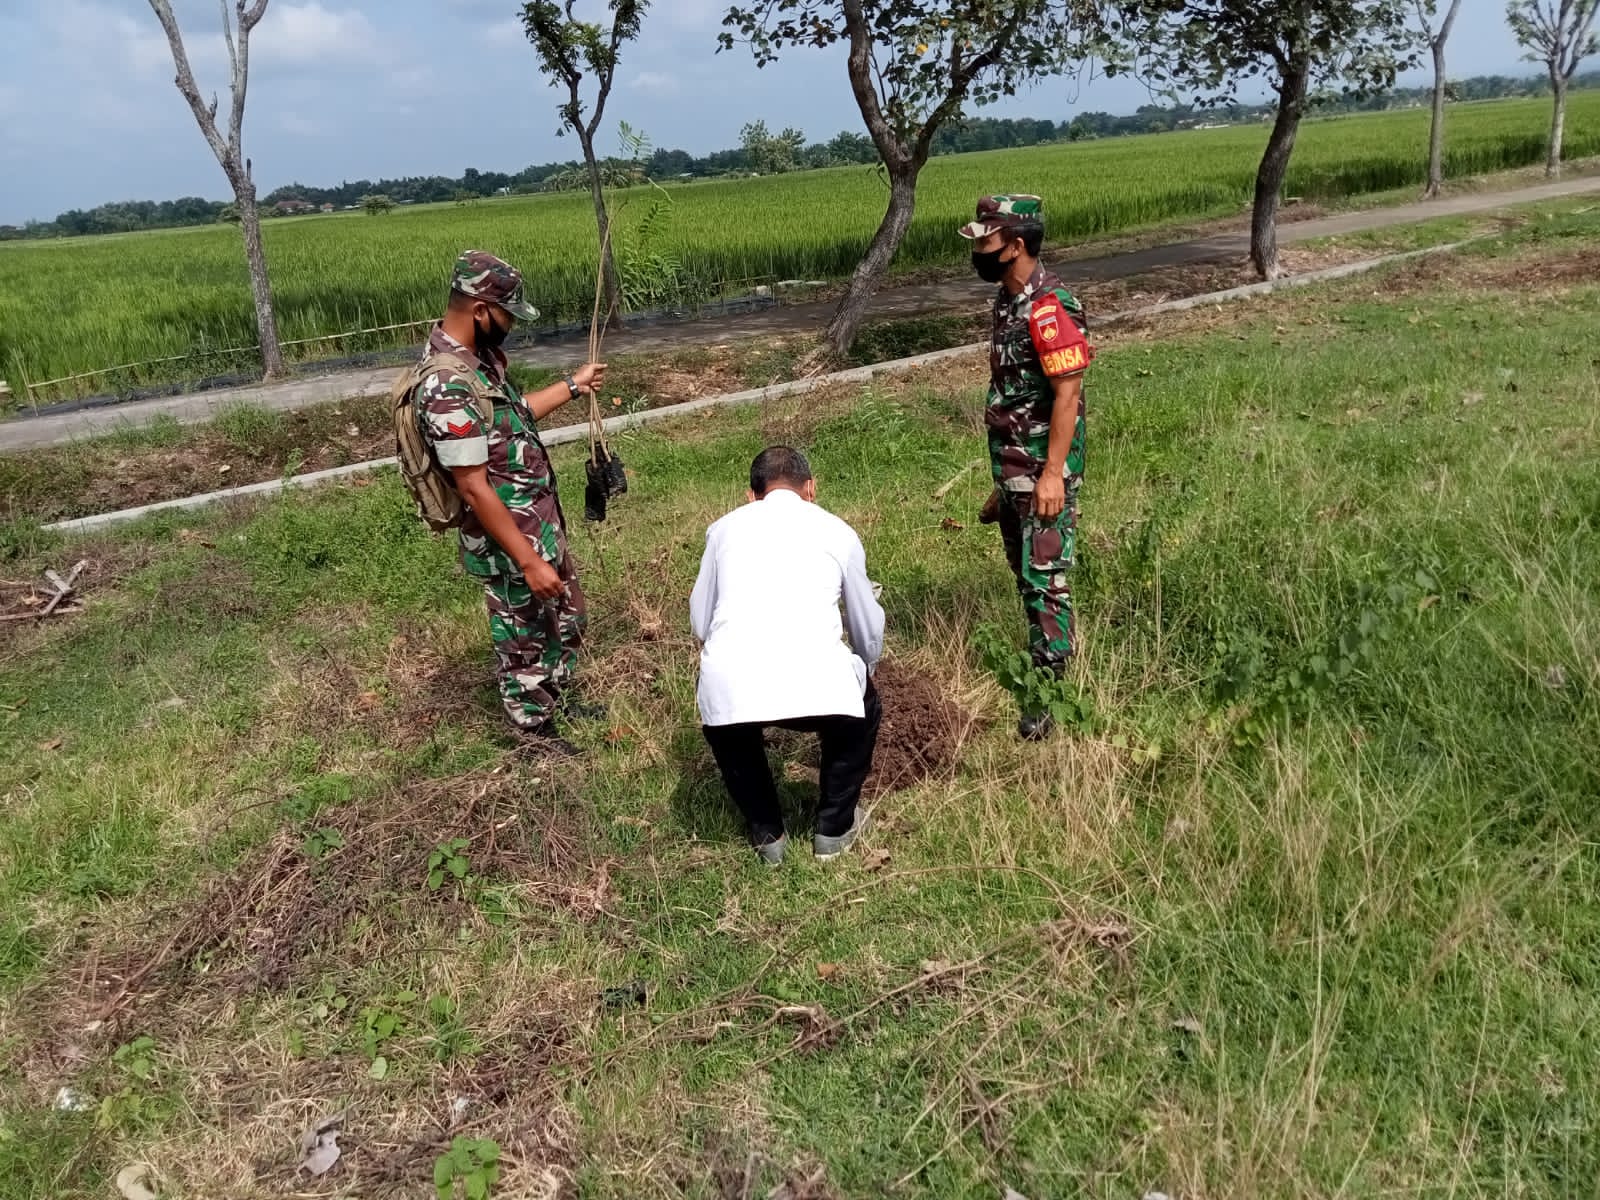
(572, 387)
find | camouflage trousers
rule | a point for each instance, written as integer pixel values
(535, 642)
(1040, 554)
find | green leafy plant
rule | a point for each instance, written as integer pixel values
(1261, 689)
(329, 1002)
(320, 842)
(448, 859)
(378, 1025)
(137, 1058)
(134, 1103)
(468, 1170)
(1035, 689)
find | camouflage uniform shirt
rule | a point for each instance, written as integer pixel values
(1037, 336)
(506, 440)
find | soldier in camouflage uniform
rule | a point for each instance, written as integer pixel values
(514, 536)
(1037, 356)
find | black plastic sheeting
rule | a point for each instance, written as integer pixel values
(397, 356)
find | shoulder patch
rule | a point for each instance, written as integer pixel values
(1046, 319)
(1057, 338)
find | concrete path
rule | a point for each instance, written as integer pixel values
(26, 432)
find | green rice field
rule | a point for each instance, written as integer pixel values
(85, 304)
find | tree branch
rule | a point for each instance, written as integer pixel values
(1443, 35)
(226, 157)
(860, 69)
(241, 74)
(961, 76)
(604, 74)
(227, 37)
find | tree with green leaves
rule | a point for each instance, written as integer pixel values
(771, 153)
(377, 205)
(1211, 47)
(914, 66)
(1436, 38)
(1560, 34)
(570, 50)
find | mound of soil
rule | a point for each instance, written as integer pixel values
(921, 734)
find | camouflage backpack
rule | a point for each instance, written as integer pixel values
(430, 484)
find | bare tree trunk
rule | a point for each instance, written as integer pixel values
(236, 30)
(1436, 130)
(1558, 121)
(875, 262)
(602, 221)
(1436, 43)
(1270, 175)
(244, 194)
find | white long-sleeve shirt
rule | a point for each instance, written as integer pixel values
(766, 607)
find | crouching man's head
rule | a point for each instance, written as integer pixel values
(781, 468)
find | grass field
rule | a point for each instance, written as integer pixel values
(1306, 908)
(85, 304)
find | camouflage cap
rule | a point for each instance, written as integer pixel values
(484, 277)
(1004, 212)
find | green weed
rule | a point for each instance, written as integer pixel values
(449, 861)
(468, 1170)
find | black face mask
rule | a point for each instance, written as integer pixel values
(988, 265)
(492, 336)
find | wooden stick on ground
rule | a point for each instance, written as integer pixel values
(63, 586)
(52, 611)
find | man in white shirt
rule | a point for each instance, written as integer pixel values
(766, 610)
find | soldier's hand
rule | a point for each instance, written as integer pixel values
(543, 581)
(1049, 497)
(990, 512)
(590, 376)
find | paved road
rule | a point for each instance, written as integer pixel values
(26, 433)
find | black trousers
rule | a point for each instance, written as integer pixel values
(847, 745)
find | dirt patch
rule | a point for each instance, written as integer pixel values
(922, 731)
(1200, 279)
(146, 467)
(1550, 269)
(1170, 283)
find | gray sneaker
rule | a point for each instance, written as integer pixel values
(772, 852)
(828, 848)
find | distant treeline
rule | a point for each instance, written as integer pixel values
(978, 133)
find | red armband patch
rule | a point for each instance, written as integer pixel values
(460, 429)
(1057, 338)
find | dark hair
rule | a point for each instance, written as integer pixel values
(461, 302)
(1031, 235)
(779, 464)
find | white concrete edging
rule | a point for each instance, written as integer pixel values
(574, 433)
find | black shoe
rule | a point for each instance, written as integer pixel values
(544, 741)
(1036, 728)
(574, 709)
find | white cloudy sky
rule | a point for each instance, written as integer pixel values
(350, 89)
